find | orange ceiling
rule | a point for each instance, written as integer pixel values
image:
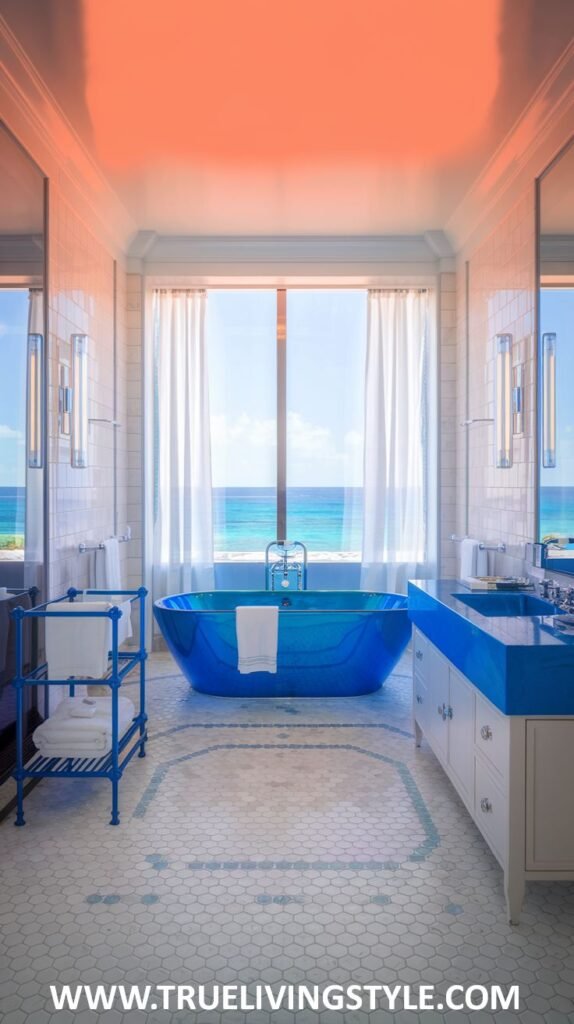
(256, 82)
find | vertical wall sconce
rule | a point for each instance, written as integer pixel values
(35, 402)
(549, 401)
(503, 401)
(79, 454)
(64, 400)
(518, 399)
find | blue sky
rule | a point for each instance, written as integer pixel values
(326, 332)
(557, 315)
(13, 335)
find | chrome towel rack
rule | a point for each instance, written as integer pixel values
(501, 546)
(85, 548)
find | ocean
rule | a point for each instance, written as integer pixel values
(12, 511)
(557, 511)
(324, 518)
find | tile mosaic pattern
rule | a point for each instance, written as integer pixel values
(285, 854)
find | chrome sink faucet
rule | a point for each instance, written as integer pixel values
(552, 591)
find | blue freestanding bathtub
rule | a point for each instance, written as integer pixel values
(331, 643)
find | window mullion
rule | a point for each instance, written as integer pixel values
(281, 414)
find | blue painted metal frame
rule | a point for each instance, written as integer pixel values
(112, 764)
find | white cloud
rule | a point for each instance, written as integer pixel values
(9, 434)
(243, 453)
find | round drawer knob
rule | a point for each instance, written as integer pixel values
(485, 805)
(486, 732)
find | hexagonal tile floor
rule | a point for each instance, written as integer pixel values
(273, 841)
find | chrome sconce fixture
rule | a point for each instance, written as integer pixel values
(35, 402)
(79, 424)
(503, 402)
(549, 401)
(518, 399)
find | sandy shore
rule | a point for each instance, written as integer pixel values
(312, 556)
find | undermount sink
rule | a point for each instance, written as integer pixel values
(503, 603)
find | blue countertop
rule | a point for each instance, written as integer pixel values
(523, 663)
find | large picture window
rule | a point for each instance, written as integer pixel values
(297, 414)
(286, 388)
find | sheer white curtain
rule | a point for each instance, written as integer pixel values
(394, 487)
(183, 526)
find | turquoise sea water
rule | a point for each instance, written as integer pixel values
(324, 518)
(12, 510)
(557, 511)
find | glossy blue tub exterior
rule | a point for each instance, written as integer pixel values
(331, 643)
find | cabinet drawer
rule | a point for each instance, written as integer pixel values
(490, 808)
(421, 648)
(491, 736)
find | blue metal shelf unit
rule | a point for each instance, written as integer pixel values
(112, 764)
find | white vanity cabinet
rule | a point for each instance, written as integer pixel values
(514, 774)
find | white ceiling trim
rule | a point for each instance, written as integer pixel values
(270, 256)
(34, 117)
(542, 129)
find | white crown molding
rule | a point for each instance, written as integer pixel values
(270, 256)
(38, 123)
(541, 131)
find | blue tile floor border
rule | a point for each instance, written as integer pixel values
(282, 725)
(420, 853)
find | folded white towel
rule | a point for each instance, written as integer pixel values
(257, 629)
(77, 647)
(125, 631)
(62, 735)
(80, 707)
(108, 576)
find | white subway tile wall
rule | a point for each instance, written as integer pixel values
(501, 299)
(447, 423)
(134, 459)
(81, 300)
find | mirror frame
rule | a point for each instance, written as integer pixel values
(539, 559)
(46, 354)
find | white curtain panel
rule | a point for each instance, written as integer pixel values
(183, 522)
(394, 524)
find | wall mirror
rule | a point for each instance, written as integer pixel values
(555, 201)
(22, 426)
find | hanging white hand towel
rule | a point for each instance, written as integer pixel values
(77, 646)
(109, 577)
(469, 549)
(257, 630)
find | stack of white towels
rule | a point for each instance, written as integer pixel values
(82, 727)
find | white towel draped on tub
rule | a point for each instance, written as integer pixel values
(257, 630)
(78, 646)
(63, 735)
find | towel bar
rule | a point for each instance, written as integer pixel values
(501, 546)
(84, 548)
